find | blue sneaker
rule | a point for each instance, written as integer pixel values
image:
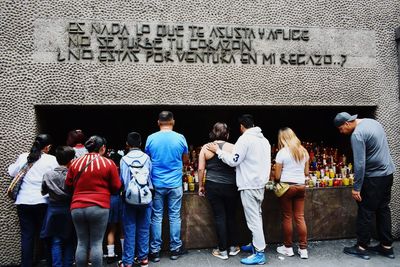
(254, 259)
(248, 248)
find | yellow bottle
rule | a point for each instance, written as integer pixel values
(350, 167)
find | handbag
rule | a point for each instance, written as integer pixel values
(281, 188)
(15, 186)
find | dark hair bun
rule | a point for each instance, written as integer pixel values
(94, 143)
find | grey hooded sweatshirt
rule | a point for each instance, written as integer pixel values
(251, 156)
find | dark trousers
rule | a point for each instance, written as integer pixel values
(30, 219)
(223, 199)
(375, 194)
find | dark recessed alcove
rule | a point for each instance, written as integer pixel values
(194, 122)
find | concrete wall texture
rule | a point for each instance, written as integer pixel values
(30, 73)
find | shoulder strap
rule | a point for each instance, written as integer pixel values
(133, 165)
(81, 171)
(139, 166)
(27, 166)
(24, 170)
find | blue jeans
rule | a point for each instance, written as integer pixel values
(136, 226)
(173, 196)
(62, 252)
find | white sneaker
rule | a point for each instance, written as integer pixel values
(303, 253)
(233, 251)
(285, 251)
(220, 254)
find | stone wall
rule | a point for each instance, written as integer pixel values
(32, 75)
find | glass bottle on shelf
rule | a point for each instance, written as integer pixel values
(185, 183)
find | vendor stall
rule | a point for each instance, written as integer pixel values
(330, 211)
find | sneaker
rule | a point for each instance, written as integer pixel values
(285, 251)
(233, 251)
(254, 259)
(143, 262)
(357, 252)
(121, 264)
(175, 254)
(386, 252)
(154, 257)
(220, 254)
(247, 248)
(303, 253)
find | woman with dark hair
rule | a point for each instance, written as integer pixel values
(94, 178)
(31, 205)
(221, 191)
(75, 139)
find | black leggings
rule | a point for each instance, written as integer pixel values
(224, 200)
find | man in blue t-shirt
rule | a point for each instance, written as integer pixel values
(167, 150)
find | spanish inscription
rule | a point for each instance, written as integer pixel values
(174, 43)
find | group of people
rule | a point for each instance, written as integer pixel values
(242, 170)
(73, 190)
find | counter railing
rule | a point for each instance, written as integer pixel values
(330, 213)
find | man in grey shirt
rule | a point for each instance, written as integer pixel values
(373, 180)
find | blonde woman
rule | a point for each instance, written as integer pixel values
(292, 168)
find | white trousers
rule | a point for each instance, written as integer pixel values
(252, 201)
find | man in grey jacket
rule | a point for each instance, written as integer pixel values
(251, 156)
(373, 174)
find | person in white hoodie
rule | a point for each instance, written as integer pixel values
(251, 156)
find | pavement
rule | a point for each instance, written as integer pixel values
(321, 253)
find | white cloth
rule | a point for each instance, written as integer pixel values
(30, 192)
(80, 151)
(292, 170)
(251, 156)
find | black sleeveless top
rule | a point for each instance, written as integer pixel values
(218, 171)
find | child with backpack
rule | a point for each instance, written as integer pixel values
(135, 169)
(57, 227)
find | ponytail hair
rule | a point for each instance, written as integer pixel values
(94, 143)
(41, 141)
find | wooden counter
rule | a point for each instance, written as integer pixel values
(330, 213)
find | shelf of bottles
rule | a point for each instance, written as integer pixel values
(190, 171)
(328, 167)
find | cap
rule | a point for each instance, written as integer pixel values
(342, 117)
